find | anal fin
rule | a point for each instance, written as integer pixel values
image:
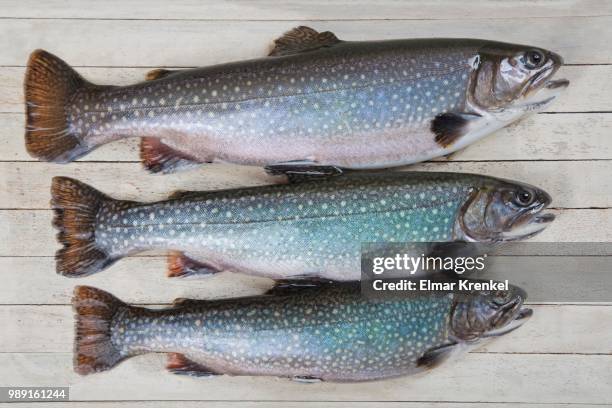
(180, 265)
(297, 171)
(449, 127)
(158, 157)
(181, 365)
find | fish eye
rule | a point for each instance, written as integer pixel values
(534, 59)
(523, 198)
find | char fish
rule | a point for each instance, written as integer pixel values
(329, 333)
(311, 228)
(316, 101)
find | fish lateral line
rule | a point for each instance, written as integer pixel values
(168, 108)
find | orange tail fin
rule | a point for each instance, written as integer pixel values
(49, 85)
(76, 206)
(94, 311)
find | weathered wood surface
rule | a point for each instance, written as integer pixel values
(562, 280)
(508, 378)
(560, 358)
(27, 185)
(296, 404)
(146, 43)
(299, 10)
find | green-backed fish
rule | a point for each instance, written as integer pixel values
(329, 333)
(310, 228)
(316, 101)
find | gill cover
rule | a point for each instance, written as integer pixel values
(500, 210)
(481, 313)
(506, 73)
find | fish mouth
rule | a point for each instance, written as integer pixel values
(521, 315)
(556, 84)
(541, 90)
(544, 95)
(510, 315)
(528, 225)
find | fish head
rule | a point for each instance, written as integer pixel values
(511, 80)
(480, 314)
(500, 210)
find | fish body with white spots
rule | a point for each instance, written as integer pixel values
(315, 102)
(328, 333)
(303, 229)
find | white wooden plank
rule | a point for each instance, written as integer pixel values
(589, 91)
(29, 232)
(546, 137)
(532, 378)
(135, 279)
(558, 329)
(296, 404)
(584, 136)
(142, 279)
(588, 225)
(27, 185)
(154, 43)
(295, 10)
(26, 180)
(12, 143)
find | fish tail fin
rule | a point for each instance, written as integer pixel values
(49, 86)
(95, 310)
(76, 206)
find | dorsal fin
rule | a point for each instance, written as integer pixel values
(302, 39)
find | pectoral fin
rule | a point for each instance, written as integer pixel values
(181, 365)
(185, 302)
(306, 379)
(180, 265)
(436, 356)
(158, 157)
(297, 171)
(450, 126)
(182, 194)
(284, 286)
(302, 39)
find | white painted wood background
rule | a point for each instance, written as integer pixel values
(562, 357)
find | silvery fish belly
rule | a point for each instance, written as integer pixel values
(316, 101)
(329, 333)
(309, 228)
